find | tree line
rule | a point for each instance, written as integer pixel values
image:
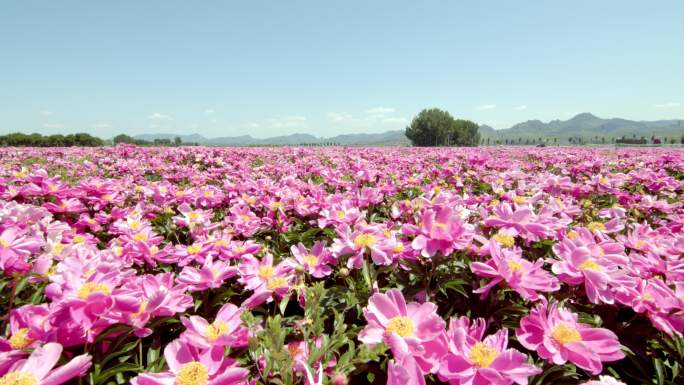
(37, 140)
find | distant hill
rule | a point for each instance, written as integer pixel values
(585, 125)
(389, 138)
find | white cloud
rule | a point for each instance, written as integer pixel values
(159, 116)
(252, 125)
(53, 125)
(288, 121)
(46, 113)
(340, 116)
(521, 107)
(668, 105)
(394, 120)
(101, 125)
(209, 111)
(380, 110)
(487, 107)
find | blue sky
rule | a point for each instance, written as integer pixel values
(223, 68)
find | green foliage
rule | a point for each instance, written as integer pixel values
(38, 140)
(435, 127)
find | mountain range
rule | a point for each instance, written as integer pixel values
(585, 125)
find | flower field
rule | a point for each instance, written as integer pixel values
(190, 266)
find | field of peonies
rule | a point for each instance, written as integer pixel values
(190, 266)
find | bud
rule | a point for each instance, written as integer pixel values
(339, 379)
(344, 272)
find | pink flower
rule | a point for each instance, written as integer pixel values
(15, 248)
(472, 360)
(412, 328)
(404, 371)
(190, 366)
(440, 230)
(264, 278)
(226, 330)
(38, 367)
(521, 222)
(521, 275)
(556, 335)
(313, 261)
(356, 243)
(210, 276)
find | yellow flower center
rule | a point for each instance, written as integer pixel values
(89, 288)
(221, 243)
(18, 378)
(364, 240)
(216, 330)
(141, 310)
(590, 264)
(107, 198)
(401, 325)
(244, 218)
(494, 202)
(276, 282)
(504, 240)
(209, 194)
(194, 249)
(78, 239)
(20, 340)
(276, 205)
(639, 244)
(311, 260)
(57, 248)
(520, 199)
(193, 216)
(482, 355)
(4, 243)
(572, 234)
(593, 226)
(192, 373)
(340, 214)
(564, 333)
(266, 272)
(141, 237)
(398, 248)
(240, 249)
(515, 266)
(135, 225)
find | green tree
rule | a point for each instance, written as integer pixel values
(177, 141)
(435, 127)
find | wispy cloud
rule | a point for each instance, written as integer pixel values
(521, 107)
(380, 110)
(46, 113)
(159, 116)
(252, 125)
(668, 105)
(394, 120)
(487, 107)
(340, 116)
(209, 111)
(101, 125)
(53, 125)
(288, 121)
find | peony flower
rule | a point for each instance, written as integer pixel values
(413, 328)
(226, 330)
(477, 361)
(440, 230)
(521, 275)
(313, 261)
(556, 335)
(38, 367)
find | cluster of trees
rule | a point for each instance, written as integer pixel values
(126, 139)
(434, 127)
(38, 140)
(577, 140)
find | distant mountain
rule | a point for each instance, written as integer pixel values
(389, 138)
(585, 125)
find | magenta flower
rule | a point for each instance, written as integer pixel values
(38, 368)
(440, 230)
(404, 371)
(15, 248)
(211, 275)
(521, 221)
(364, 238)
(477, 361)
(264, 278)
(314, 261)
(554, 333)
(521, 275)
(412, 328)
(190, 366)
(226, 330)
